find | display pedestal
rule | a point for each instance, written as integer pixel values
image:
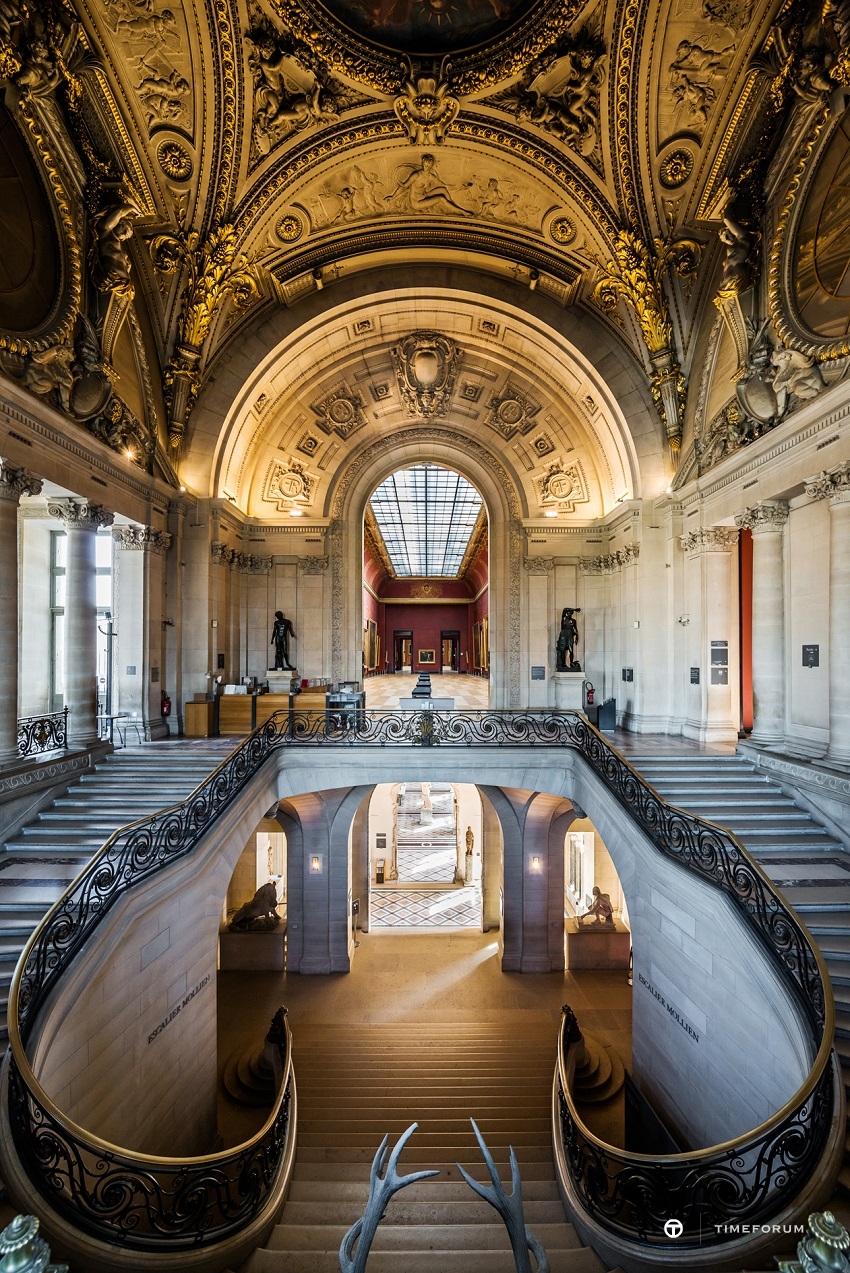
(597, 946)
(252, 952)
(568, 691)
(279, 681)
(427, 704)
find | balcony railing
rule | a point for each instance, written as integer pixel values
(43, 733)
(778, 1156)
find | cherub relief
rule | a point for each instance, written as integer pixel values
(560, 92)
(288, 95)
(139, 22)
(691, 75)
(163, 92)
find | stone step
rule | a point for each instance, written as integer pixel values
(424, 1191)
(396, 1237)
(348, 1171)
(471, 1211)
(466, 1261)
(438, 1153)
(454, 1142)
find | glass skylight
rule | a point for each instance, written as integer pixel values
(426, 516)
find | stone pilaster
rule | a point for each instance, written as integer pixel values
(709, 553)
(767, 523)
(14, 482)
(82, 521)
(834, 486)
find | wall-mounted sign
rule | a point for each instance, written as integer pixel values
(694, 676)
(628, 674)
(538, 673)
(811, 656)
(720, 676)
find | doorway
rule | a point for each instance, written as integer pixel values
(403, 651)
(450, 643)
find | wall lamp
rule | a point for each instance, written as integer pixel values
(316, 864)
(535, 863)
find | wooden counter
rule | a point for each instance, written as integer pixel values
(198, 719)
(267, 705)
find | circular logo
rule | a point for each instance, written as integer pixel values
(341, 411)
(510, 411)
(561, 486)
(290, 485)
(674, 1228)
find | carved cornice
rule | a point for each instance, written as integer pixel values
(831, 484)
(709, 539)
(244, 563)
(142, 538)
(538, 565)
(16, 481)
(763, 518)
(313, 565)
(609, 563)
(80, 514)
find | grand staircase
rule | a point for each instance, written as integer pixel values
(47, 853)
(808, 863)
(356, 1084)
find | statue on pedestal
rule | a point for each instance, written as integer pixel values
(281, 633)
(600, 907)
(565, 648)
(260, 914)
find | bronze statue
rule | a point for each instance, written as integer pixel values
(281, 633)
(567, 642)
(260, 914)
(600, 907)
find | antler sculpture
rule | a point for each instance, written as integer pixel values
(509, 1207)
(381, 1189)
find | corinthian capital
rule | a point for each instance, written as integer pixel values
(763, 518)
(831, 484)
(142, 538)
(79, 514)
(16, 481)
(709, 539)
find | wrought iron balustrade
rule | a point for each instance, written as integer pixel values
(141, 850)
(43, 733)
(710, 1192)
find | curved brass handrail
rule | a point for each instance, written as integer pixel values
(146, 1201)
(144, 848)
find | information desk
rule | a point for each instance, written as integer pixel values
(198, 719)
(242, 713)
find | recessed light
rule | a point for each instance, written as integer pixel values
(296, 512)
(551, 512)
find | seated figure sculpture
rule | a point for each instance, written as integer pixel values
(260, 914)
(600, 907)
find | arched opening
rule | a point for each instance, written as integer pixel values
(426, 597)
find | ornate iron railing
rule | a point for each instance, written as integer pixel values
(706, 1195)
(43, 733)
(144, 848)
(146, 1203)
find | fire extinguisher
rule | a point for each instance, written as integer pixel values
(589, 692)
(165, 705)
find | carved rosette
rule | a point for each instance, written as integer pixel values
(538, 565)
(313, 565)
(610, 563)
(78, 514)
(709, 539)
(16, 481)
(142, 538)
(763, 518)
(831, 484)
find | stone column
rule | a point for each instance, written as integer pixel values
(14, 482)
(711, 716)
(82, 521)
(140, 588)
(767, 523)
(834, 485)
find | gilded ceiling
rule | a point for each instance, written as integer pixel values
(672, 172)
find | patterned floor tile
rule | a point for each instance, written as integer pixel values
(434, 908)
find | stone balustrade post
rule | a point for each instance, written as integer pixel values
(767, 523)
(81, 520)
(14, 482)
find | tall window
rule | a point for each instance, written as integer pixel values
(103, 594)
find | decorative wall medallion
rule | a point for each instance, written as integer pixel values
(426, 590)
(289, 228)
(542, 444)
(380, 392)
(309, 444)
(287, 484)
(511, 412)
(676, 168)
(174, 160)
(562, 230)
(470, 391)
(589, 402)
(562, 485)
(426, 366)
(340, 412)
